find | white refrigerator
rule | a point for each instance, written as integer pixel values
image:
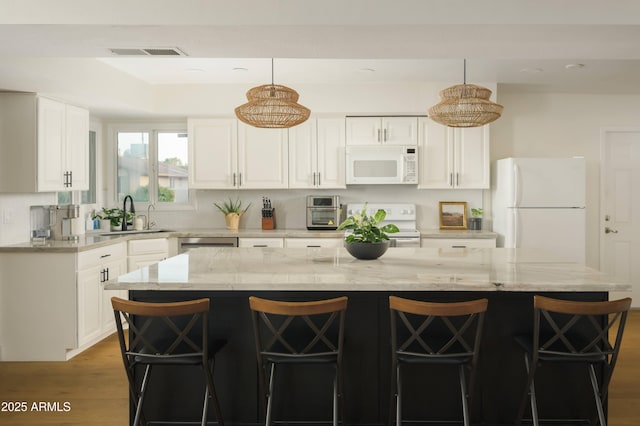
(540, 203)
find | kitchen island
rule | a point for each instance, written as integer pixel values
(507, 277)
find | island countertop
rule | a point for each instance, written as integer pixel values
(399, 269)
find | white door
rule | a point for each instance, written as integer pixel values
(620, 204)
(302, 155)
(472, 164)
(51, 145)
(400, 130)
(363, 130)
(77, 146)
(558, 231)
(436, 155)
(331, 153)
(263, 157)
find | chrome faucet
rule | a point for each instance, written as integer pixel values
(124, 211)
(149, 223)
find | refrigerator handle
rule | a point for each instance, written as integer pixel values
(516, 225)
(516, 185)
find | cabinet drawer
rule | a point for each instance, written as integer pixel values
(261, 242)
(458, 242)
(148, 246)
(313, 242)
(91, 258)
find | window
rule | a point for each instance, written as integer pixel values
(152, 166)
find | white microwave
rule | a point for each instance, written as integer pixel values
(382, 164)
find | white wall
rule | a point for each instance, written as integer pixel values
(563, 125)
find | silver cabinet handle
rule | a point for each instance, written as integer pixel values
(386, 135)
(608, 230)
(314, 178)
(450, 179)
(234, 179)
(240, 179)
(379, 139)
(457, 179)
(318, 178)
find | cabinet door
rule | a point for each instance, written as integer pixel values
(400, 130)
(436, 155)
(114, 268)
(331, 153)
(472, 163)
(363, 130)
(459, 242)
(89, 304)
(302, 155)
(262, 158)
(51, 145)
(77, 146)
(213, 153)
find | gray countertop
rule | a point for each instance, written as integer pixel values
(399, 269)
(95, 240)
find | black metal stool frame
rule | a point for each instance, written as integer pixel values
(271, 321)
(562, 316)
(181, 346)
(422, 347)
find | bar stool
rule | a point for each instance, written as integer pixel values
(173, 333)
(573, 332)
(435, 334)
(296, 333)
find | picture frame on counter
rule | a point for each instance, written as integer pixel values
(453, 215)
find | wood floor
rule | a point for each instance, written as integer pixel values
(95, 387)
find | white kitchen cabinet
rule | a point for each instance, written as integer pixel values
(146, 252)
(95, 315)
(226, 154)
(382, 130)
(458, 242)
(313, 242)
(452, 157)
(45, 144)
(213, 152)
(261, 242)
(317, 154)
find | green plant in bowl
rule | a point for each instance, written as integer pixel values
(232, 207)
(477, 212)
(114, 215)
(367, 240)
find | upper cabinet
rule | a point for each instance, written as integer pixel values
(316, 154)
(453, 158)
(224, 154)
(382, 130)
(44, 144)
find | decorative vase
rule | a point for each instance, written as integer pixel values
(367, 251)
(475, 223)
(233, 221)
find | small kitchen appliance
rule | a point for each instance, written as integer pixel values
(323, 212)
(400, 214)
(376, 164)
(53, 222)
(540, 203)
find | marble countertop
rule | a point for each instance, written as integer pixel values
(93, 240)
(399, 269)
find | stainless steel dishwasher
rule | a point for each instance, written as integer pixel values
(187, 243)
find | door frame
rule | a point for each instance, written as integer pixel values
(604, 131)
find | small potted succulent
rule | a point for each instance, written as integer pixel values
(475, 222)
(367, 240)
(232, 211)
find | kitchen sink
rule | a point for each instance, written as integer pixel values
(134, 231)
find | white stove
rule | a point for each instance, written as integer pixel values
(400, 214)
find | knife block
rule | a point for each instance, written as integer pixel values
(270, 221)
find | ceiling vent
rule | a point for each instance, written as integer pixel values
(152, 51)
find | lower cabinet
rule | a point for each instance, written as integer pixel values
(261, 242)
(146, 252)
(95, 315)
(458, 242)
(313, 242)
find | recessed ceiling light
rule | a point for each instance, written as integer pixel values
(532, 70)
(240, 69)
(367, 70)
(195, 70)
(574, 66)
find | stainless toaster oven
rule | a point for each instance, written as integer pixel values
(323, 212)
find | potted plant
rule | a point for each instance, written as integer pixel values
(114, 216)
(367, 240)
(232, 211)
(475, 222)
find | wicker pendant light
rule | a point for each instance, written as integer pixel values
(465, 105)
(272, 106)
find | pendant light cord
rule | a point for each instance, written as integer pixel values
(464, 74)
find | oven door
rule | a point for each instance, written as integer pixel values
(322, 218)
